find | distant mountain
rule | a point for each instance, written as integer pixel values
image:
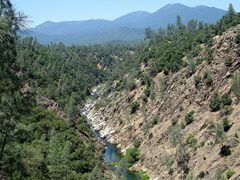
(129, 27)
(81, 27)
(168, 14)
(131, 18)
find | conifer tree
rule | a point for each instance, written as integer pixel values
(96, 174)
(12, 102)
(55, 157)
(231, 10)
(66, 156)
(121, 170)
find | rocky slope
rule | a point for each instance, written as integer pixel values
(151, 121)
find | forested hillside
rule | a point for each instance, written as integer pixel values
(36, 143)
(67, 74)
(43, 135)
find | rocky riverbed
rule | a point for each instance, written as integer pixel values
(96, 121)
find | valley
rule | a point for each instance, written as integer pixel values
(165, 107)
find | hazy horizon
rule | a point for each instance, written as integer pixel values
(40, 12)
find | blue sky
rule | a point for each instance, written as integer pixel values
(40, 11)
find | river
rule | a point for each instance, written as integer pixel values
(112, 153)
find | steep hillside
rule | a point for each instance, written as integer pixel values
(180, 105)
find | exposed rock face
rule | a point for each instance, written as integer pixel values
(52, 106)
(123, 127)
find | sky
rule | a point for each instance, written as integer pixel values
(40, 11)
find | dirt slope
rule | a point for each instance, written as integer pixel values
(150, 122)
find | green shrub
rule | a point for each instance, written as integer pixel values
(209, 56)
(134, 106)
(238, 53)
(230, 173)
(226, 125)
(82, 128)
(202, 174)
(225, 151)
(196, 51)
(163, 86)
(118, 86)
(219, 133)
(191, 140)
(99, 105)
(236, 135)
(146, 79)
(143, 175)
(166, 159)
(183, 125)
(180, 108)
(147, 92)
(199, 61)
(144, 99)
(215, 102)
(191, 68)
(136, 143)
(182, 81)
(155, 121)
(202, 144)
(132, 156)
(207, 76)
(130, 84)
(189, 117)
(226, 99)
(190, 176)
(174, 121)
(226, 110)
(218, 174)
(153, 96)
(227, 50)
(197, 80)
(237, 38)
(228, 61)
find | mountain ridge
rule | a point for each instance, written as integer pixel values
(138, 20)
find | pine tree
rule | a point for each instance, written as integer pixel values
(179, 24)
(12, 102)
(149, 33)
(55, 158)
(66, 156)
(96, 174)
(231, 10)
(121, 170)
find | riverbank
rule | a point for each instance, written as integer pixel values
(101, 130)
(95, 118)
